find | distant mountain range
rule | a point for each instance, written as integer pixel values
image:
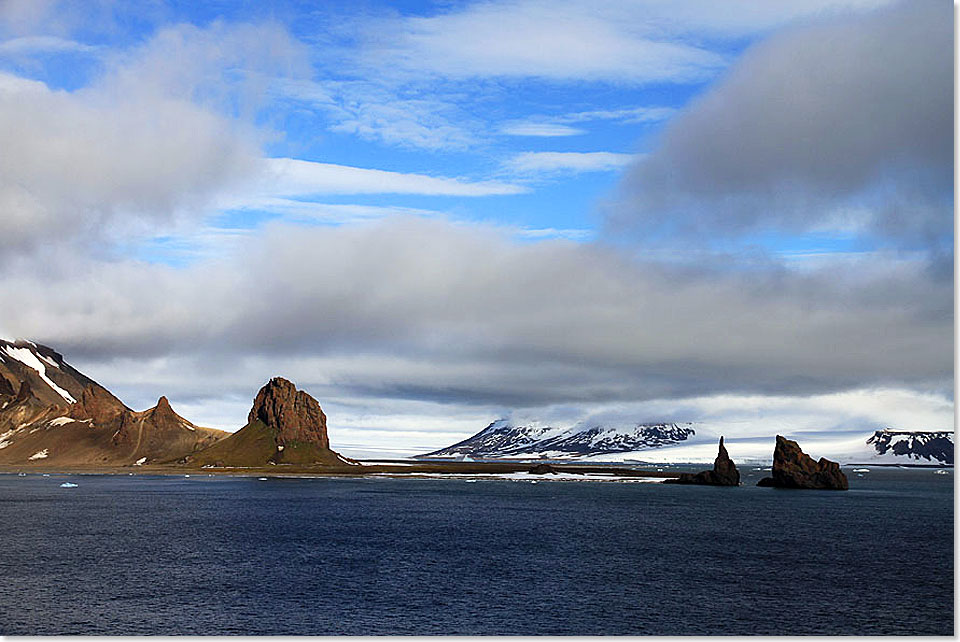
(52, 414)
(502, 439)
(679, 442)
(935, 446)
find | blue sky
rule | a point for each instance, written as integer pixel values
(329, 102)
(435, 214)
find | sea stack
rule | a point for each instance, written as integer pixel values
(792, 468)
(724, 472)
(285, 426)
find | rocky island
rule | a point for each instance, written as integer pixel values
(724, 473)
(792, 468)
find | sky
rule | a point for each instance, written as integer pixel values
(431, 215)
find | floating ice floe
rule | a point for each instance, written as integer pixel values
(68, 485)
(941, 472)
(261, 479)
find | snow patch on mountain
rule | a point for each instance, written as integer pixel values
(27, 357)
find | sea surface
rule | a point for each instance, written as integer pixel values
(122, 555)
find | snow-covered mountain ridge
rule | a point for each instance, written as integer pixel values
(693, 443)
(502, 439)
(934, 446)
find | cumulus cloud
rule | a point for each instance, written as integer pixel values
(852, 115)
(146, 142)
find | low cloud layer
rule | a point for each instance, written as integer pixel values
(416, 308)
(843, 124)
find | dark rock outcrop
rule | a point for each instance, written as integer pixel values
(724, 472)
(97, 404)
(792, 468)
(543, 469)
(285, 426)
(295, 415)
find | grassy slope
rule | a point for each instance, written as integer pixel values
(252, 445)
(255, 445)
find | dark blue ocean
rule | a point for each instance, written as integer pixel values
(214, 555)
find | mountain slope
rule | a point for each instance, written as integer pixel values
(285, 426)
(52, 414)
(502, 439)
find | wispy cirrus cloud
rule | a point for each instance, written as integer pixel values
(539, 129)
(573, 40)
(288, 176)
(28, 45)
(530, 163)
(562, 124)
(384, 112)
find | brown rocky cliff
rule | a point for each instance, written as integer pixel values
(792, 468)
(98, 404)
(292, 413)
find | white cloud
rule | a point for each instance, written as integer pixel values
(42, 44)
(624, 115)
(572, 162)
(608, 41)
(289, 177)
(147, 143)
(540, 129)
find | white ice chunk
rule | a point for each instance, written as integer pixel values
(39, 455)
(59, 421)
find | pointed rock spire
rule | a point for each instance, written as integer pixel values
(724, 472)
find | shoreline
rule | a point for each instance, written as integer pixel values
(397, 471)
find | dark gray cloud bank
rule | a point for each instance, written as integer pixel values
(427, 309)
(847, 124)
